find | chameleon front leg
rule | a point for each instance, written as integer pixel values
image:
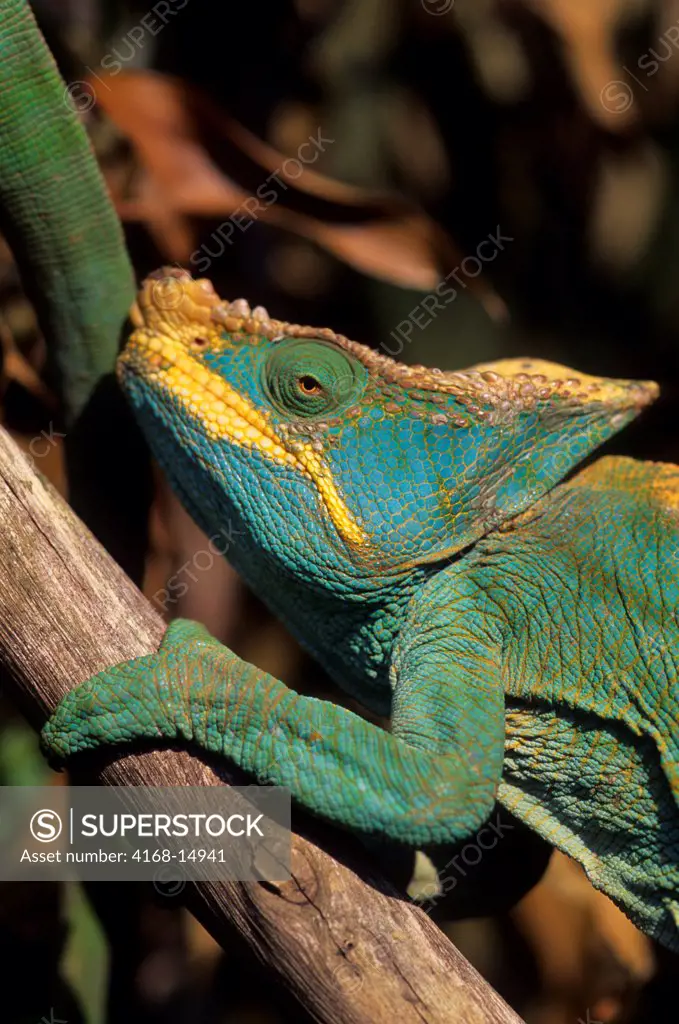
(336, 764)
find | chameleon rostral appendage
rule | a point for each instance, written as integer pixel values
(55, 213)
(411, 528)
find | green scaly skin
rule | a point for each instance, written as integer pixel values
(56, 214)
(410, 527)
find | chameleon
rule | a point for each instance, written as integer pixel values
(414, 529)
(429, 538)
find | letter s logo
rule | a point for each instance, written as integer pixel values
(45, 826)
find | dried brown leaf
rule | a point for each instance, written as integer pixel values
(197, 161)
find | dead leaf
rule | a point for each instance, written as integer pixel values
(196, 161)
(15, 367)
(589, 30)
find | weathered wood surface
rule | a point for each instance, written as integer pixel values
(337, 935)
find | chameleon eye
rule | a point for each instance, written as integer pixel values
(199, 343)
(308, 385)
(305, 377)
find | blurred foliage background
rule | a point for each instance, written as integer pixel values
(438, 124)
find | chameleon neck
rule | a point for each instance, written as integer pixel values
(56, 214)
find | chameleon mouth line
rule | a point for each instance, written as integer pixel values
(225, 415)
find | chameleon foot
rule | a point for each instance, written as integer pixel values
(145, 698)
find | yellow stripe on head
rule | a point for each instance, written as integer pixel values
(224, 414)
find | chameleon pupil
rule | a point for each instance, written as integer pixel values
(309, 385)
(199, 342)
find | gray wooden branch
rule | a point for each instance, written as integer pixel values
(338, 937)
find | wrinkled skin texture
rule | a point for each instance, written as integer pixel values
(410, 528)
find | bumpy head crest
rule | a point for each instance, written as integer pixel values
(336, 460)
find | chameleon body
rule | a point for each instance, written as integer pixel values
(411, 529)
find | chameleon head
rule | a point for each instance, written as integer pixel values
(330, 464)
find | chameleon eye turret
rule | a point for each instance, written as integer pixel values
(312, 379)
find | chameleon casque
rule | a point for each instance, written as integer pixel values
(410, 528)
